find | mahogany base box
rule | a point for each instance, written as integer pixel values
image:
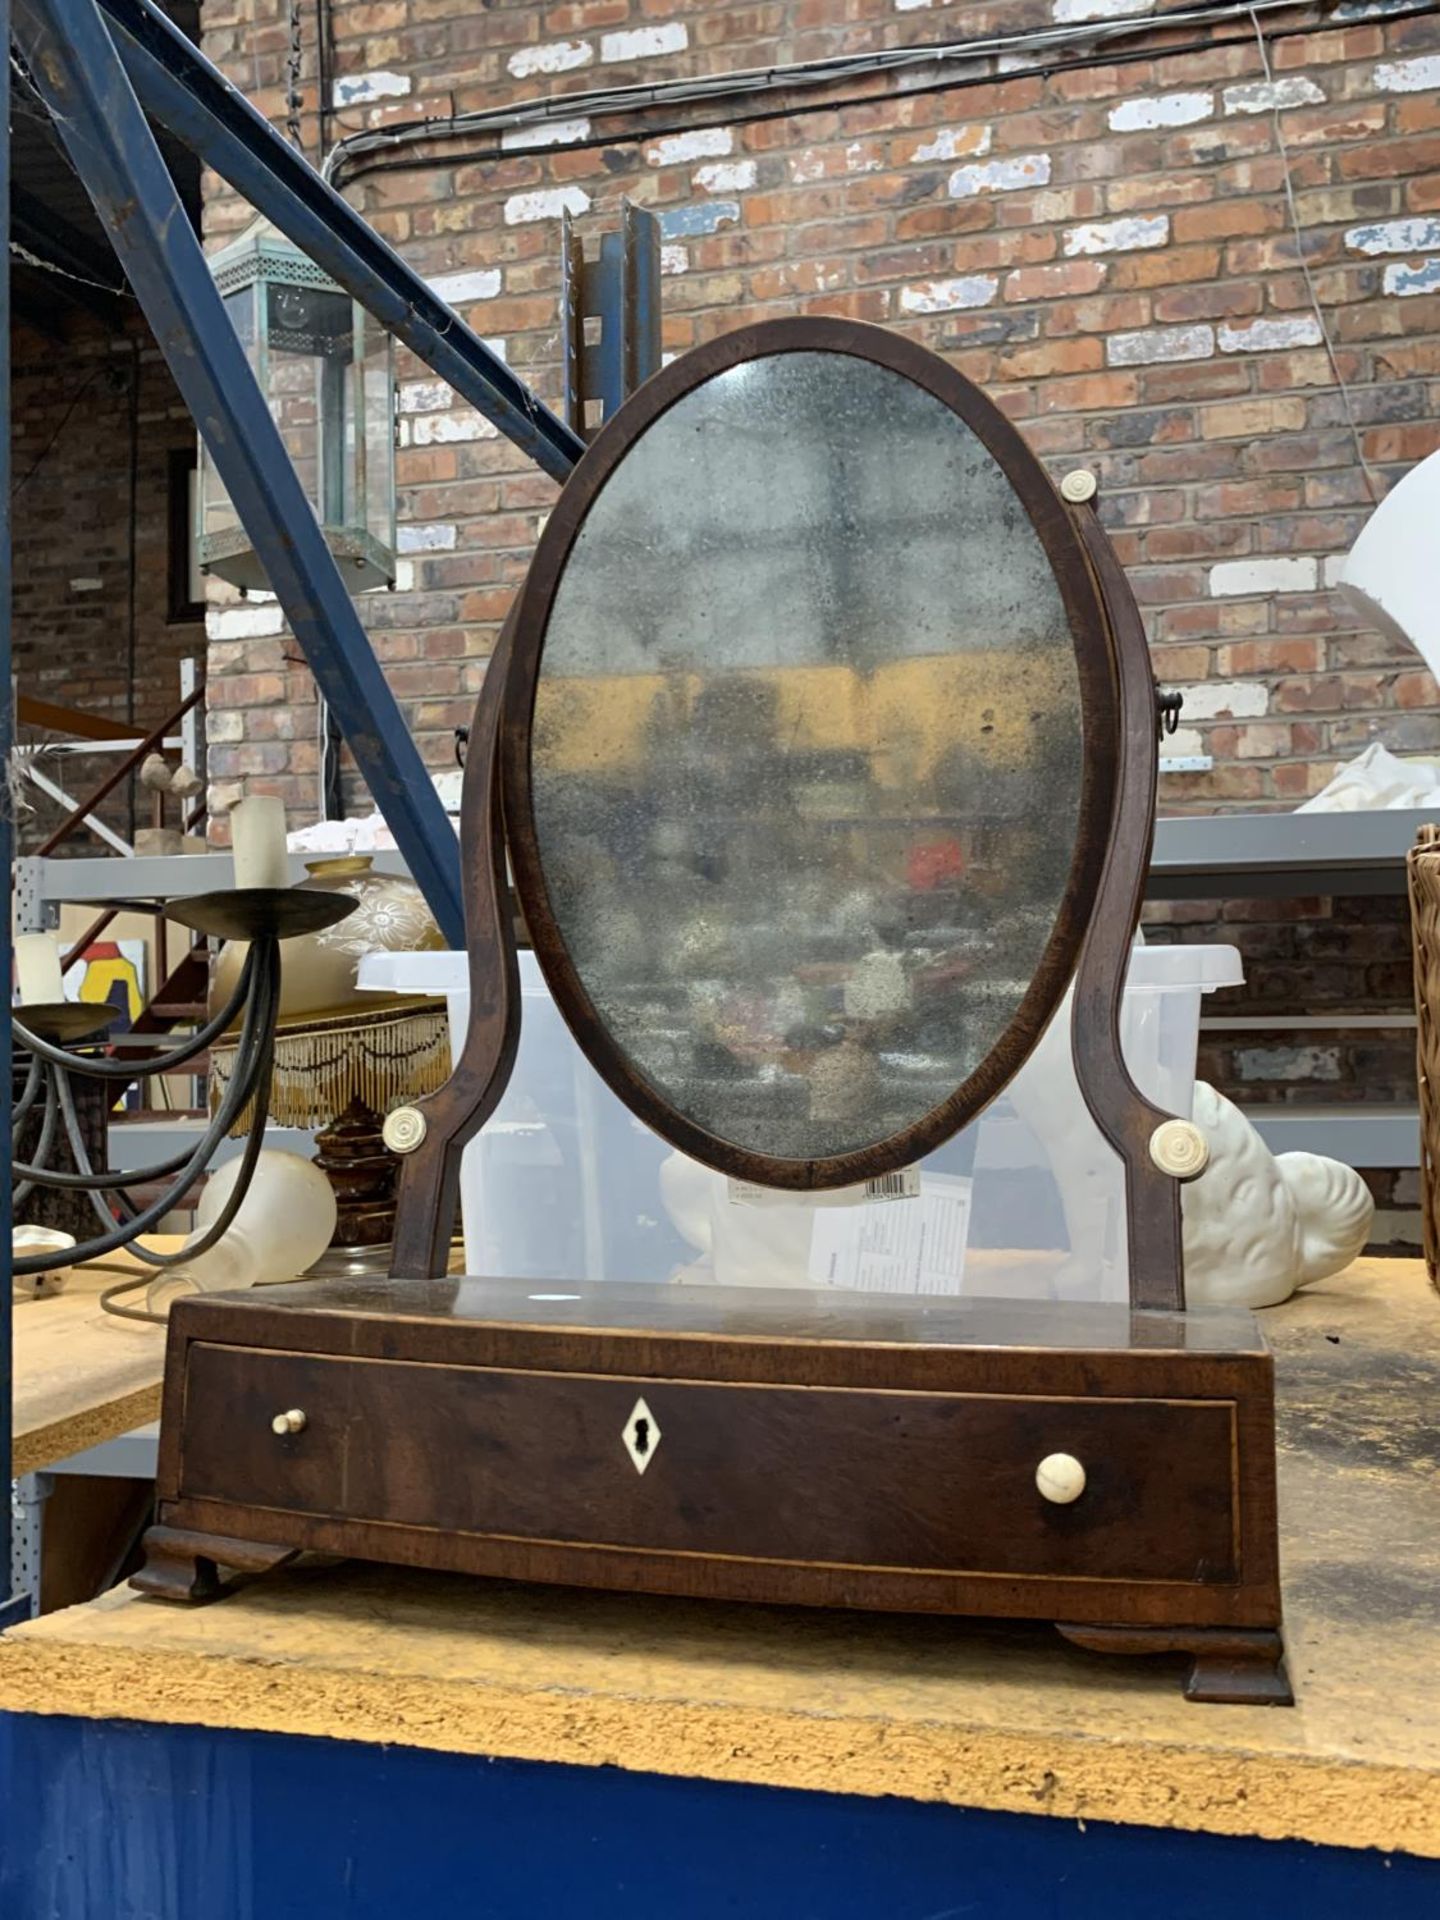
(815, 1448)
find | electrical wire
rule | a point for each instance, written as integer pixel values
(1377, 491)
(797, 76)
(44, 453)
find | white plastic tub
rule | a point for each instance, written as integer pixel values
(564, 1183)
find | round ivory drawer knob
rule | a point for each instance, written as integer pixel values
(1061, 1478)
(292, 1422)
(1079, 486)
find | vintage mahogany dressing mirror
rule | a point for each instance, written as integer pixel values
(807, 617)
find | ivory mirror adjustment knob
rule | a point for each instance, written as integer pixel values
(292, 1422)
(403, 1130)
(1079, 486)
(1179, 1148)
(1060, 1478)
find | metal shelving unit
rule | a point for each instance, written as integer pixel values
(1215, 856)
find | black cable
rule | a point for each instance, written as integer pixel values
(45, 452)
(28, 1096)
(256, 1055)
(343, 169)
(47, 1138)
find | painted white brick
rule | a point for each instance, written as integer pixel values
(1332, 568)
(701, 143)
(244, 622)
(404, 576)
(431, 539)
(949, 143)
(545, 203)
(459, 289)
(500, 348)
(224, 726)
(424, 396)
(644, 43)
(1067, 12)
(725, 176)
(359, 89)
(949, 296)
(1165, 110)
(1409, 76)
(1186, 743)
(1000, 176)
(1403, 279)
(1118, 236)
(1288, 1063)
(1296, 573)
(559, 56)
(1268, 336)
(674, 259)
(440, 429)
(546, 133)
(1226, 700)
(912, 6)
(1160, 343)
(1273, 96)
(1394, 236)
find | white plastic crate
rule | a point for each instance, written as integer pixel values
(565, 1184)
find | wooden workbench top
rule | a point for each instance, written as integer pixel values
(82, 1376)
(995, 1717)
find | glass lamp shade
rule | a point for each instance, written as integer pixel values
(325, 368)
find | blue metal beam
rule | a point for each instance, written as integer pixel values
(75, 66)
(7, 841)
(180, 87)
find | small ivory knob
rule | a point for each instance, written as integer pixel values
(403, 1130)
(1179, 1148)
(292, 1422)
(1079, 486)
(1061, 1478)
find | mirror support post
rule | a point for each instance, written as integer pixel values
(1123, 1114)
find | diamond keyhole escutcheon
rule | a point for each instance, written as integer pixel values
(641, 1436)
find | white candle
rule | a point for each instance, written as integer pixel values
(37, 962)
(257, 835)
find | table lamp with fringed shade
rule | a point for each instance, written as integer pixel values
(344, 1058)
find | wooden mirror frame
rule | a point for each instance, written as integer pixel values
(1093, 926)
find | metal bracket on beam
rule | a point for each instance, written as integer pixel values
(619, 292)
(79, 74)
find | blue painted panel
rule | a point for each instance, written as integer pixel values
(113, 1821)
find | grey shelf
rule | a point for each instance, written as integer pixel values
(1360, 1136)
(1228, 855)
(102, 882)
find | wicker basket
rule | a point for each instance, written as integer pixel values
(1422, 869)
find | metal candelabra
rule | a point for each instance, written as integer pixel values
(261, 916)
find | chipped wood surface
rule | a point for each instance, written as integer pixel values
(996, 1717)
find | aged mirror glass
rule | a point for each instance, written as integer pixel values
(806, 766)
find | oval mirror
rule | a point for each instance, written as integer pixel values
(808, 752)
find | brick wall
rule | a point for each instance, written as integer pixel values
(74, 408)
(1108, 250)
(1105, 244)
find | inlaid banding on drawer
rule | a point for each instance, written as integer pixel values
(943, 1482)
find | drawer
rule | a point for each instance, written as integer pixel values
(858, 1477)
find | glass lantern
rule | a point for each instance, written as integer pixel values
(325, 368)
